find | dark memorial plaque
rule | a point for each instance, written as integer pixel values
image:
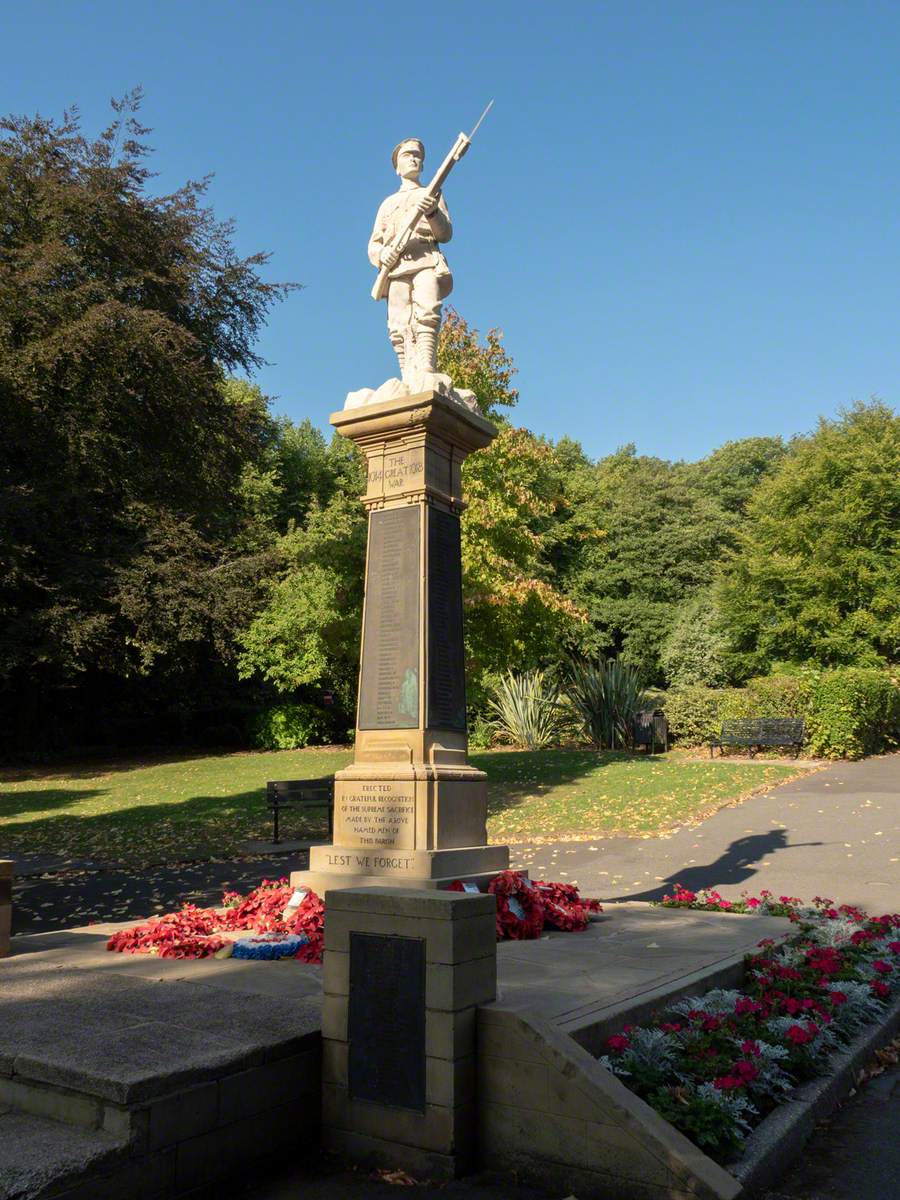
(386, 1021)
(389, 679)
(446, 659)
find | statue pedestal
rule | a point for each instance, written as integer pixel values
(410, 811)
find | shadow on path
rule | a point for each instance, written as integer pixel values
(739, 863)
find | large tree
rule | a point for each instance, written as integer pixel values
(122, 459)
(817, 574)
(647, 539)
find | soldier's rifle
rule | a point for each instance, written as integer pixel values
(459, 148)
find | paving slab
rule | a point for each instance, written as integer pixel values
(78, 1016)
(632, 955)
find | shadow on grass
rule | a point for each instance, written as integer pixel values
(162, 832)
(15, 803)
(736, 865)
(93, 768)
(517, 775)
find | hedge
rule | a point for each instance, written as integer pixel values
(849, 711)
(290, 727)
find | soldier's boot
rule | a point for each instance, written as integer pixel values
(426, 349)
(398, 341)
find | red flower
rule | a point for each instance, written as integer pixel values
(894, 947)
(618, 1042)
(880, 989)
(799, 1036)
(882, 967)
(751, 1048)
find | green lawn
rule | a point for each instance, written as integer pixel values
(143, 811)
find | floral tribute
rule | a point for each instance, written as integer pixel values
(202, 932)
(715, 1065)
(525, 909)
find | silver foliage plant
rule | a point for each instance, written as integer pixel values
(860, 1009)
(716, 1002)
(738, 1107)
(651, 1049)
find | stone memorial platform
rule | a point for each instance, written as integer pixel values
(140, 1072)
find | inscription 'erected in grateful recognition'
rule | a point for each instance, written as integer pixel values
(378, 814)
(389, 679)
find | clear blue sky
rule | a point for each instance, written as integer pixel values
(683, 215)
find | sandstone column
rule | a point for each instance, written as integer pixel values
(410, 811)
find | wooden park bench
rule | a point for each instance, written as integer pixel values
(300, 793)
(757, 733)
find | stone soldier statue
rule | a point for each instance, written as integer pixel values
(418, 278)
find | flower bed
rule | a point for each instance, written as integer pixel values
(716, 1065)
(523, 910)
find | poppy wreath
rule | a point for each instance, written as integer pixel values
(516, 895)
(198, 932)
(564, 906)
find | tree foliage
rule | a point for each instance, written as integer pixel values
(122, 456)
(485, 369)
(817, 576)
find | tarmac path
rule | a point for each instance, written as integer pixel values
(834, 833)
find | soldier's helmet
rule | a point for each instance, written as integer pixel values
(407, 142)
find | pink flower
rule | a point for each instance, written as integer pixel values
(752, 902)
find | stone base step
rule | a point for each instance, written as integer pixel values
(39, 1157)
(322, 881)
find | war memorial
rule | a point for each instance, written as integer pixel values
(420, 1044)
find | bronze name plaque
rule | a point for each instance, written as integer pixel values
(386, 1020)
(446, 655)
(389, 679)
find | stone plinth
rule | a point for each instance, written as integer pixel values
(403, 974)
(6, 868)
(410, 811)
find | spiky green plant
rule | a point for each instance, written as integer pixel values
(526, 709)
(606, 694)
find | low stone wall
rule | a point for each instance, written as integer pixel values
(550, 1113)
(176, 1144)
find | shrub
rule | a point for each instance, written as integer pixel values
(694, 712)
(769, 696)
(605, 696)
(694, 651)
(849, 712)
(526, 709)
(854, 711)
(290, 727)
